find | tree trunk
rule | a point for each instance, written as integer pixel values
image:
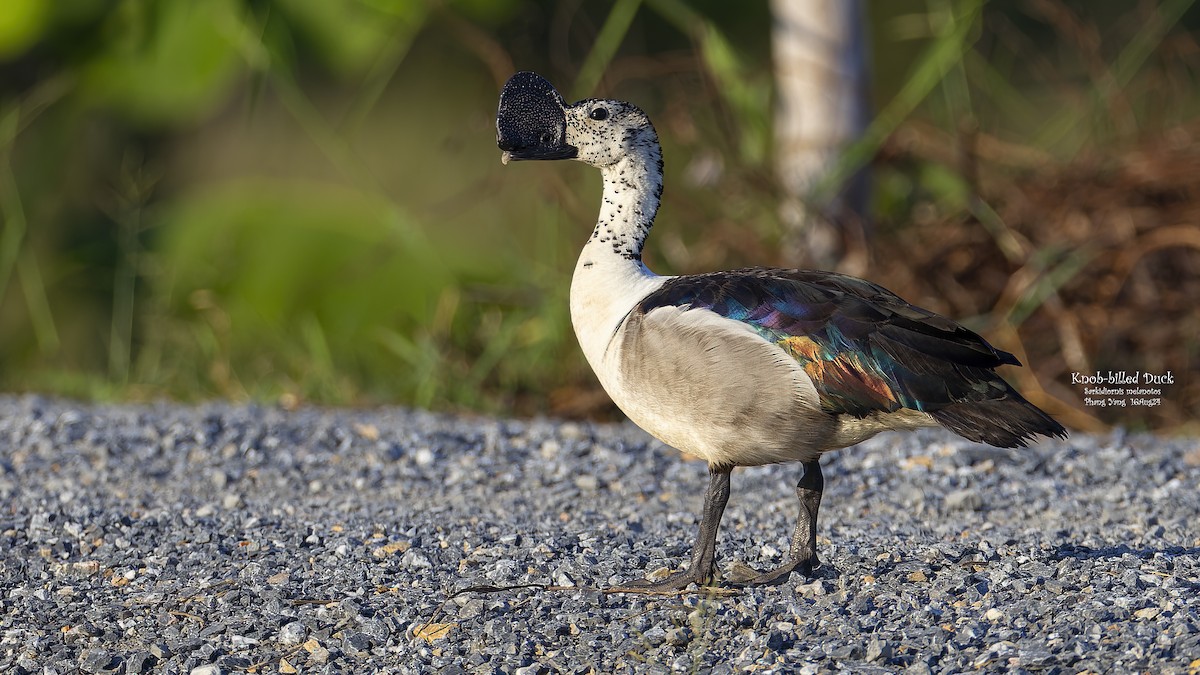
(820, 53)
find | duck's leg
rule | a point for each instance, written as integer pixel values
(803, 553)
(704, 552)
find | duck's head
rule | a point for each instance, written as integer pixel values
(535, 122)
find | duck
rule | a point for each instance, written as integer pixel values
(753, 366)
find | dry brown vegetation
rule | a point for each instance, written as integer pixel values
(1086, 266)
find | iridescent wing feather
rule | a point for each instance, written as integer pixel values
(866, 350)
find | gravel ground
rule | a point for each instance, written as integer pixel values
(225, 539)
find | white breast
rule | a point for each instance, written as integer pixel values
(603, 291)
(701, 383)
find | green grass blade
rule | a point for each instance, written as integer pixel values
(387, 62)
(747, 95)
(939, 59)
(1134, 55)
(39, 304)
(1048, 283)
(10, 202)
(1064, 128)
(612, 33)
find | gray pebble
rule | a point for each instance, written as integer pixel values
(357, 644)
(292, 633)
(160, 651)
(963, 500)
(96, 660)
(678, 637)
(655, 635)
(878, 650)
(139, 662)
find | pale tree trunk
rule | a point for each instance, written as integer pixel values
(820, 53)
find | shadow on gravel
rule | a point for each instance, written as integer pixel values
(1108, 553)
(1144, 553)
(1089, 553)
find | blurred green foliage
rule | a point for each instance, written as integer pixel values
(258, 198)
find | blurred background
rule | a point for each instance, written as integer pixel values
(302, 201)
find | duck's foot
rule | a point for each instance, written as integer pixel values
(742, 574)
(674, 582)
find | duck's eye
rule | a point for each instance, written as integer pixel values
(599, 113)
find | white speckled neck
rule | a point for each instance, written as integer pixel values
(610, 277)
(632, 189)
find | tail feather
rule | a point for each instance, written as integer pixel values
(1007, 422)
